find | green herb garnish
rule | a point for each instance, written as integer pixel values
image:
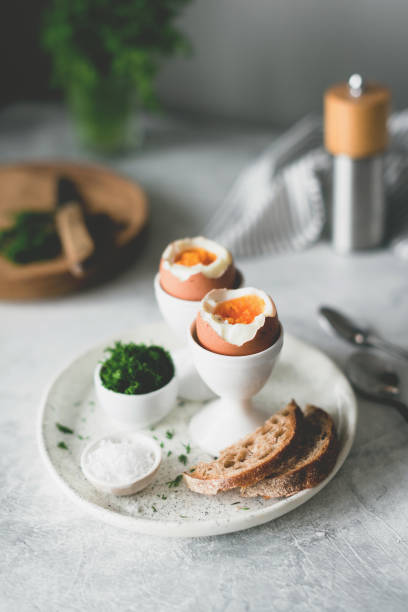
(183, 459)
(163, 497)
(243, 508)
(161, 445)
(193, 470)
(62, 445)
(187, 447)
(134, 369)
(64, 429)
(154, 508)
(169, 434)
(174, 483)
(168, 453)
(33, 237)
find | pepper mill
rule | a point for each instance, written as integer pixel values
(355, 133)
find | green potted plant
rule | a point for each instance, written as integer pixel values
(105, 56)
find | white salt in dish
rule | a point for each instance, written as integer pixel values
(122, 463)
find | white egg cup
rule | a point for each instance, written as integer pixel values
(236, 380)
(179, 314)
(136, 411)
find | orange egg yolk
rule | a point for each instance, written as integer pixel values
(240, 310)
(194, 256)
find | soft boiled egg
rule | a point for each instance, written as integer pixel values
(191, 267)
(237, 322)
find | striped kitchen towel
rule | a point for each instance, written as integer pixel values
(277, 204)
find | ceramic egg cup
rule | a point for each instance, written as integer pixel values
(235, 380)
(126, 488)
(179, 314)
(136, 411)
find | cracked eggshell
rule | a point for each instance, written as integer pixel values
(194, 282)
(221, 337)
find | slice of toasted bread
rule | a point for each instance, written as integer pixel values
(304, 470)
(252, 458)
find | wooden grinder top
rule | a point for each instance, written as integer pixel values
(355, 118)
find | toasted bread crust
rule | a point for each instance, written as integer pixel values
(314, 461)
(253, 458)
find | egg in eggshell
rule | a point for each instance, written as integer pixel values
(191, 267)
(237, 322)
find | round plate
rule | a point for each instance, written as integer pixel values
(303, 373)
(117, 212)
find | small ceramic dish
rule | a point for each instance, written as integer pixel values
(125, 488)
(136, 411)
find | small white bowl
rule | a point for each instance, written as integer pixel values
(127, 488)
(136, 411)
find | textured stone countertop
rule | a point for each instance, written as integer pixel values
(346, 549)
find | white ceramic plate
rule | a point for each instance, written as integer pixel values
(302, 372)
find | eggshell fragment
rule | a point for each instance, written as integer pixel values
(197, 285)
(225, 334)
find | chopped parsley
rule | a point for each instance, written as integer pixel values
(174, 483)
(154, 508)
(134, 369)
(170, 434)
(187, 447)
(62, 445)
(64, 429)
(183, 459)
(161, 444)
(243, 508)
(168, 453)
(32, 237)
(163, 497)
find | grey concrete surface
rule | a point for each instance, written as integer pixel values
(346, 549)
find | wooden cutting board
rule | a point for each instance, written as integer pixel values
(116, 209)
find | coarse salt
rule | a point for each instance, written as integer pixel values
(121, 461)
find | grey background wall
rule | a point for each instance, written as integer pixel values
(270, 60)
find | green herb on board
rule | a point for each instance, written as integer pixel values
(243, 508)
(235, 503)
(174, 483)
(83, 437)
(192, 470)
(163, 497)
(187, 447)
(161, 444)
(134, 369)
(168, 453)
(62, 445)
(154, 508)
(183, 516)
(32, 237)
(183, 459)
(64, 429)
(170, 434)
